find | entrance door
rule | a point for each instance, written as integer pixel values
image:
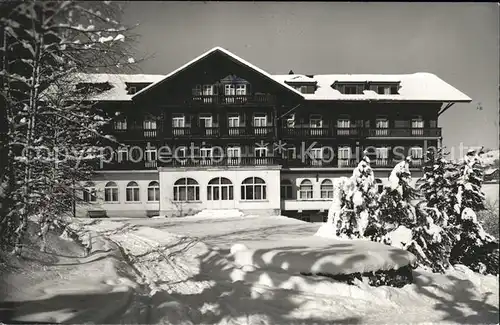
(220, 194)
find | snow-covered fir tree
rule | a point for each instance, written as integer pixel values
(46, 44)
(432, 234)
(473, 247)
(394, 204)
(358, 202)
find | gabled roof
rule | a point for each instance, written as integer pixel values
(420, 86)
(233, 56)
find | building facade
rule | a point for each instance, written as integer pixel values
(221, 133)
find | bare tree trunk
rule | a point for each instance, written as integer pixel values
(33, 107)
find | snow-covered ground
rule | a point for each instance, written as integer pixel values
(190, 271)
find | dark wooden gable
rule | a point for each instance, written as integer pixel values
(215, 67)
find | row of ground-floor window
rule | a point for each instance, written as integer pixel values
(186, 191)
(219, 188)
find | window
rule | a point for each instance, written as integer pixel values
(233, 120)
(290, 121)
(382, 122)
(417, 122)
(132, 192)
(343, 123)
(178, 120)
(253, 188)
(316, 153)
(351, 89)
(382, 153)
(260, 120)
(289, 153)
(417, 125)
(327, 189)
(382, 156)
(151, 155)
(111, 192)
(220, 189)
(206, 152)
(241, 89)
(315, 121)
(120, 124)
(260, 152)
(233, 155)
(306, 190)
(149, 124)
(208, 90)
(384, 90)
(154, 192)
(122, 154)
(197, 90)
(344, 153)
(89, 193)
(229, 89)
(233, 152)
(433, 124)
(186, 190)
(206, 120)
(286, 190)
(416, 153)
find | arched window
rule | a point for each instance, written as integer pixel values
(253, 188)
(111, 192)
(379, 184)
(132, 192)
(306, 190)
(89, 192)
(153, 191)
(286, 189)
(220, 188)
(186, 190)
(327, 189)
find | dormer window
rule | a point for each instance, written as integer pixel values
(134, 87)
(305, 89)
(385, 89)
(349, 88)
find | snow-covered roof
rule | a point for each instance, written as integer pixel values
(420, 86)
(298, 78)
(118, 92)
(232, 55)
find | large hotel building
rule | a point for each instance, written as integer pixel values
(220, 133)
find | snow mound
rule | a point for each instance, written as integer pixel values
(230, 213)
(316, 255)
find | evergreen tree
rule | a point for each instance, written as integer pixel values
(358, 201)
(46, 44)
(432, 234)
(473, 247)
(394, 204)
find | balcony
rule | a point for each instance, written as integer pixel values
(391, 162)
(126, 165)
(250, 99)
(318, 162)
(219, 161)
(244, 131)
(405, 132)
(136, 134)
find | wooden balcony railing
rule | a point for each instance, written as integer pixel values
(219, 161)
(135, 134)
(233, 99)
(391, 162)
(405, 132)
